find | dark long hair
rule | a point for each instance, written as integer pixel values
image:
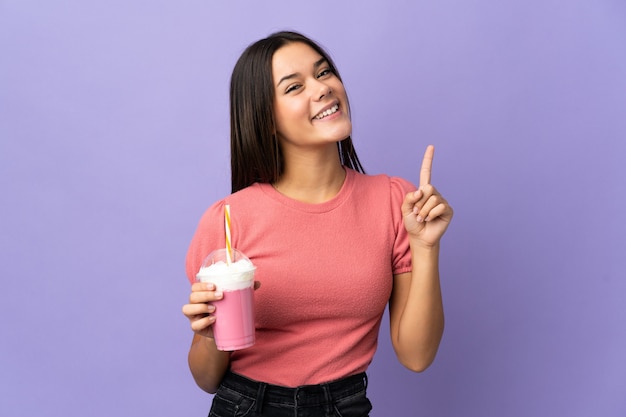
(255, 153)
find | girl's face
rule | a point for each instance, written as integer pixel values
(310, 103)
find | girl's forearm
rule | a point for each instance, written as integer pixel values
(422, 320)
(207, 364)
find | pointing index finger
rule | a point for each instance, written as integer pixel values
(427, 165)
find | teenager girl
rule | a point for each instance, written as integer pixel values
(332, 246)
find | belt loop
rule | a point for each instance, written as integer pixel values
(260, 394)
(329, 399)
(365, 379)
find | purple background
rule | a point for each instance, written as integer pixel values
(114, 139)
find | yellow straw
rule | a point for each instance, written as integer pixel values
(229, 248)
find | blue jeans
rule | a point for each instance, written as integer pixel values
(239, 396)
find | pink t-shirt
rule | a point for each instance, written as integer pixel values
(326, 273)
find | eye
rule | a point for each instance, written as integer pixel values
(324, 72)
(292, 87)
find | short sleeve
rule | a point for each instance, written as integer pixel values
(208, 236)
(401, 249)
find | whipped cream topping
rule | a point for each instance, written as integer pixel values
(221, 267)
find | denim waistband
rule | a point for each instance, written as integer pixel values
(301, 396)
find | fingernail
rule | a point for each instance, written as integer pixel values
(218, 294)
(419, 219)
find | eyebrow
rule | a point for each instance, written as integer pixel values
(316, 65)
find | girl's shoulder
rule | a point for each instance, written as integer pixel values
(381, 182)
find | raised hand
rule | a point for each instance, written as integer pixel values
(425, 212)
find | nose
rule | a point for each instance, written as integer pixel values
(324, 90)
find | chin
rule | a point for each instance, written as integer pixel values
(343, 131)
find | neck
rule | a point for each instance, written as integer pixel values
(312, 178)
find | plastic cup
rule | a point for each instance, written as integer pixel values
(234, 313)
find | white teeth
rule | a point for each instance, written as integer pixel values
(328, 112)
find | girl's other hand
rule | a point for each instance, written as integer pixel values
(426, 213)
(200, 309)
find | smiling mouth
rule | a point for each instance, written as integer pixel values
(328, 112)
